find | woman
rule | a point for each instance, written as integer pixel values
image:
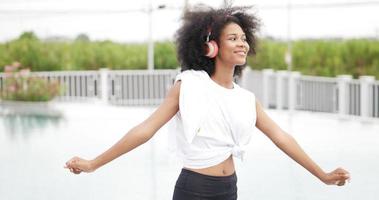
(214, 117)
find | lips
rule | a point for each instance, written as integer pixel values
(242, 53)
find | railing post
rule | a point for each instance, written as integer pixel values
(366, 94)
(280, 75)
(292, 93)
(266, 87)
(104, 85)
(343, 80)
(246, 78)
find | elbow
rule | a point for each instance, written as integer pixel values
(143, 138)
(143, 133)
(282, 139)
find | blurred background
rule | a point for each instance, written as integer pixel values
(77, 75)
(325, 38)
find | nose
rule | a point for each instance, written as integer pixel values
(242, 44)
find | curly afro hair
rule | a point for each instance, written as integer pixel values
(191, 37)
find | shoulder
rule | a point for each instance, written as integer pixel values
(191, 74)
(246, 92)
(174, 91)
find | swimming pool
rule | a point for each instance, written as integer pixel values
(33, 151)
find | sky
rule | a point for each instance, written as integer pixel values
(127, 20)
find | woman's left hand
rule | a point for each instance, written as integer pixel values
(78, 165)
(337, 177)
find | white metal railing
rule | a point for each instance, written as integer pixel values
(139, 87)
(122, 87)
(317, 94)
(342, 94)
(280, 90)
(272, 91)
(74, 84)
(354, 101)
(375, 99)
(2, 80)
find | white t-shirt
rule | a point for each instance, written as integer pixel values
(213, 122)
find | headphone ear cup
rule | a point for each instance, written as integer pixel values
(211, 49)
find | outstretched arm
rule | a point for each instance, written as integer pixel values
(289, 146)
(135, 137)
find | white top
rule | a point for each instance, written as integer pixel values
(213, 122)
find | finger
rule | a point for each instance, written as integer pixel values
(341, 183)
(335, 176)
(74, 159)
(337, 182)
(77, 171)
(347, 176)
(343, 171)
(74, 164)
(344, 176)
(67, 167)
(339, 170)
(71, 160)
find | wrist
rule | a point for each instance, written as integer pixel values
(93, 165)
(323, 177)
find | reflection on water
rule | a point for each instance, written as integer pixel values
(32, 167)
(24, 124)
(22, 118)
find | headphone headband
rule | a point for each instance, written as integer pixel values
(211, 45)
(208, 36)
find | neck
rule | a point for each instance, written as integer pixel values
(223, 74)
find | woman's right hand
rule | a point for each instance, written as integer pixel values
(78, 165)
(337, 177)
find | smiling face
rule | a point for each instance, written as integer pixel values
(233, 45)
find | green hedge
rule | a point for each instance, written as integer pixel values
(311, 57)
(83, 54)
(321, 57)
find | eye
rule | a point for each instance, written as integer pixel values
(232, 38)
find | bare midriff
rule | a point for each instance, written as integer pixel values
(226, 168)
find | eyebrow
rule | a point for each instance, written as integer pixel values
(236, 34)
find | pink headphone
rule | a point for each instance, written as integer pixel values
(211, 48)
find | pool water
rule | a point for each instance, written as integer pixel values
(33, 151)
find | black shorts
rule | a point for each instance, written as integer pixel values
(195, 186)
